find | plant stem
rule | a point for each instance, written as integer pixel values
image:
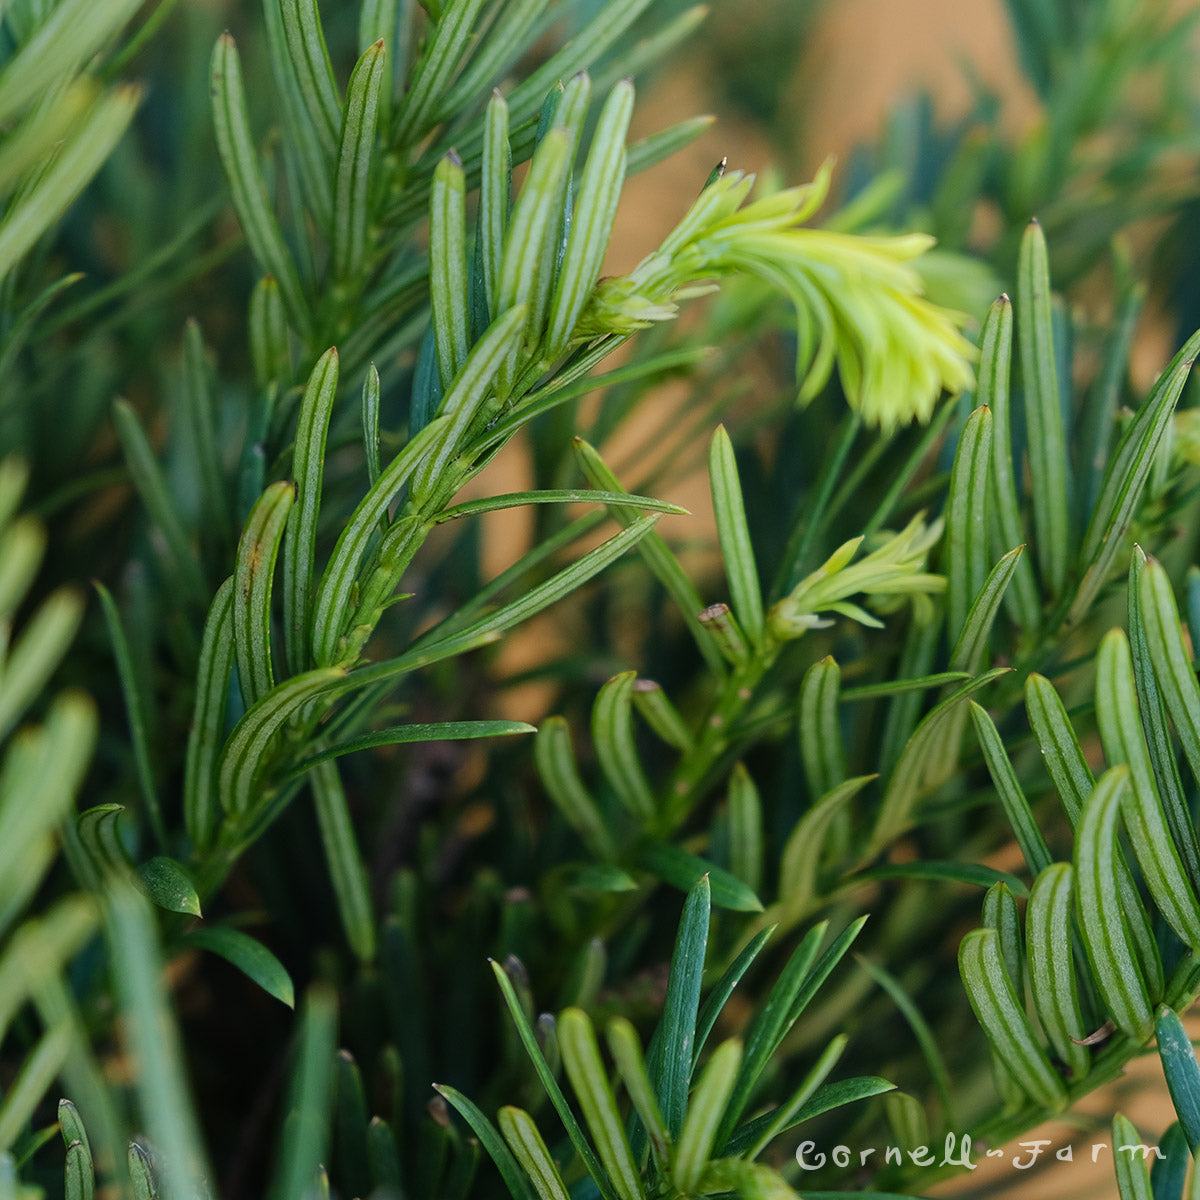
(687, 783)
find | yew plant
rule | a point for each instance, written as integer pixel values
(291, 905)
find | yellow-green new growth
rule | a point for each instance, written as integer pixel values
(889, 575)
(858, 300)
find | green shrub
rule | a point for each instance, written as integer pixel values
(264, 332)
